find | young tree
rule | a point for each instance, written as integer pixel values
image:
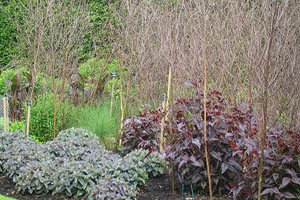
(50, 36)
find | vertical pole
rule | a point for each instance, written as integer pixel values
(169, 85)
(28, 118)
(162, 126)
(113, 75)
(4, 109)
(165, 106)
(112, 96)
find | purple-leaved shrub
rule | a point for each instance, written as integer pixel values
(233, 145)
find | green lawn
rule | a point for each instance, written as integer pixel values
(5, 198)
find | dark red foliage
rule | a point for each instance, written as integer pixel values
(142, 130)
(233, 145)
(18, 90)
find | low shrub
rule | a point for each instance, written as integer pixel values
(17, 153)
(151, 163)
(142, 130)
(281, 167)
(113, 189)
(36, 177)
(14, 151)
(75, 164)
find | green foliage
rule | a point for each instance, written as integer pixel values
(15, 126)
(100, 34)
(7, 74)
(17, 85)
(101, 122)
(5, 198)
(91, 68)
(75, 164)
(25, 80)
(42, 117)
(7, 34)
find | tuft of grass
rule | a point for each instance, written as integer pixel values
(100, 121)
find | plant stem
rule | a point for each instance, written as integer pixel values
(205, 110)
(265, 107)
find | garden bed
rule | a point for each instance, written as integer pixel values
(155, 188)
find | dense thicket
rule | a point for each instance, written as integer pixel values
(96, 40)
(7, 34)
(237, 34)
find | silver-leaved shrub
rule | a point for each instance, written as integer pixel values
(75, 164)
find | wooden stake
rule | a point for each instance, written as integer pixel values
(162, 127)
(28, 118)
(4, 109)
(112, 96)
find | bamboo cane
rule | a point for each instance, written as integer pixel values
(4, 107)
(28, 118)
(112, 96)
(162, 127)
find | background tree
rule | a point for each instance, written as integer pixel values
(168, 32)
(7, 33)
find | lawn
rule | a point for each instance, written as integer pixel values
(5, 198)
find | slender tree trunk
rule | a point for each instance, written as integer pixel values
(205, 110)
(265, 106)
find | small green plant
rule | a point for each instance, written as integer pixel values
(14, 126)
(98, 120)
(42, 117)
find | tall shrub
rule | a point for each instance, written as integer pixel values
(233, 147)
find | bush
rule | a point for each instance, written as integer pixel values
(16, 150)
(15, 126)
(75, 164)
(42, 117)
(113, 189)
(233, 146)
(149, 162)
(101, 122)
(142, 130)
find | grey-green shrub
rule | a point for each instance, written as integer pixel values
(75, 164)
(113, 189)
(36, 177)
(16, 150)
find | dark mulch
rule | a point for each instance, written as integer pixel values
(155, 188)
